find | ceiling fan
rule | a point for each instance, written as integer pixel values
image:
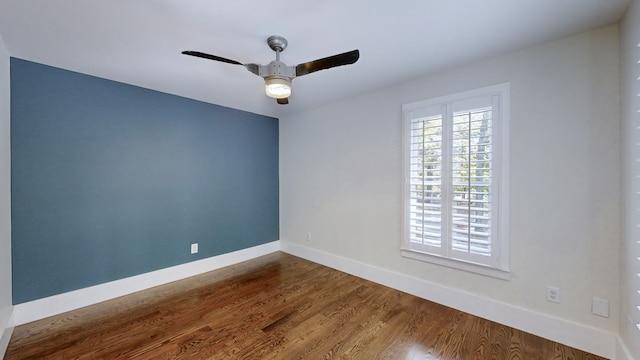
(277, 75)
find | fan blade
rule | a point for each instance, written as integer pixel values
(211, 57)
(283, 101)
(328, 62)
(254, 68)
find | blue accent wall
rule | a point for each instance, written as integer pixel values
(111, 180)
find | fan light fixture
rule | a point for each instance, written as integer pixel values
(277, 88)
(277, 75)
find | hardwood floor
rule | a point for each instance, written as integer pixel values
(275, 307)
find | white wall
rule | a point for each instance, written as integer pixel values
(630, 70)
(340, 177)
(5, 192)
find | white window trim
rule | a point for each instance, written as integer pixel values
(501, 269)
(636, 267)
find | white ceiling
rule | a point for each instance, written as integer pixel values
(139, 42)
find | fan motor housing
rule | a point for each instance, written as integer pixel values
(278, 69)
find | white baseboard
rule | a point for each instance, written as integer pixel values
(4, 341)
(57, 304)
(622, 351)
(563, 331)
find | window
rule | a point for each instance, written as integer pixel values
(455, 180)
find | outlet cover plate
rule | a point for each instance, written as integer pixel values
(194, 248)
(553, 294)
(600, 307)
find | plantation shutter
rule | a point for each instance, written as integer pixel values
(471, 154)
(426, 176)
(471, 195)
(450, 195)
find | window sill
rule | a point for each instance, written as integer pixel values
(485, 270)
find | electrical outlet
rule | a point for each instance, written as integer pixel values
(194, 248)
(553, 294)
(308, 236)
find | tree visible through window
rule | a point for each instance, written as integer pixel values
(454, 168)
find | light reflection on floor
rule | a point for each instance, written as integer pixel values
(419, 352)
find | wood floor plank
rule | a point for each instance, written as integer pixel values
(276, 307)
